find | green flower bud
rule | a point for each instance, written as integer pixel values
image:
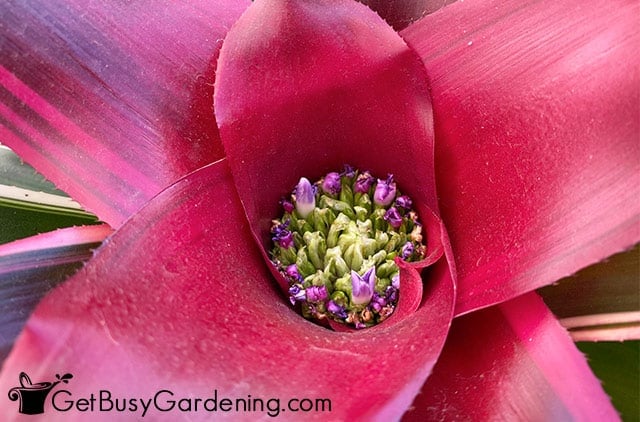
(369, 246)
(338, 206)
(286, 256)
(337, 227)
(346, 194)
(334, 257)
(316, 248)
(343, 284)
(305, 267)
(340, 298)
(361, 213)
(363, 200)
(319, 279)
(377, 219)
(386, 269)
(353, 255)
(382, 284)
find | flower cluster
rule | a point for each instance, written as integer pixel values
(337, 243)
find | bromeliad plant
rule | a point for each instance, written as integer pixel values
(533, 158)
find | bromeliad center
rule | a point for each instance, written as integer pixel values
(337, 244)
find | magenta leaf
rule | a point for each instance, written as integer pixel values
(355, 94)
(112, 101)
(181, 298)
(536, 119)
(512, 362)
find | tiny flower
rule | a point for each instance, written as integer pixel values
(377, 302)
(287, 205)
(404, 202)
(348, 171)
(395, 281)
(407, 250)
(391, 294)
(363, 183)
(362, 286)
(366, 315)
(385, 192)
(386, 312)
(317, 293)
(393, 217)
(336, 309)
(286, 240)
(416, 233)
(296, 294)
(305, 198)
(331, 183)
(282, 236)
(293, 273)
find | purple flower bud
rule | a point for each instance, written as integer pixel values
(287, 205)
(391, 294)
(385, 192)
(348, 171)
(362, 287)
(316, 293)
(407, 250)
(377, 302)
(336, 309)
(363, 182)
(285, 240)
(305, 198)
(395, 281)
(296, 294)
(331, 183)
(393, 217)
(293, 273)
(282, 236)
(404, 202)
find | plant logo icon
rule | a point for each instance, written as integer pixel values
(32, 396)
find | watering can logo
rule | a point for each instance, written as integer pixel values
(32, 396)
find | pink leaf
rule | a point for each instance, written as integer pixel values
(112, 101)
(181, 298)
(511, 362)
(536, 114)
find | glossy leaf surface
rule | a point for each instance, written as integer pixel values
(513, 362)
(536, 118)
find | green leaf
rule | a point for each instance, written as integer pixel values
(30, 204)
(607, 287)
(616, 364)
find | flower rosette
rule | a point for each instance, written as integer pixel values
(183, 294)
